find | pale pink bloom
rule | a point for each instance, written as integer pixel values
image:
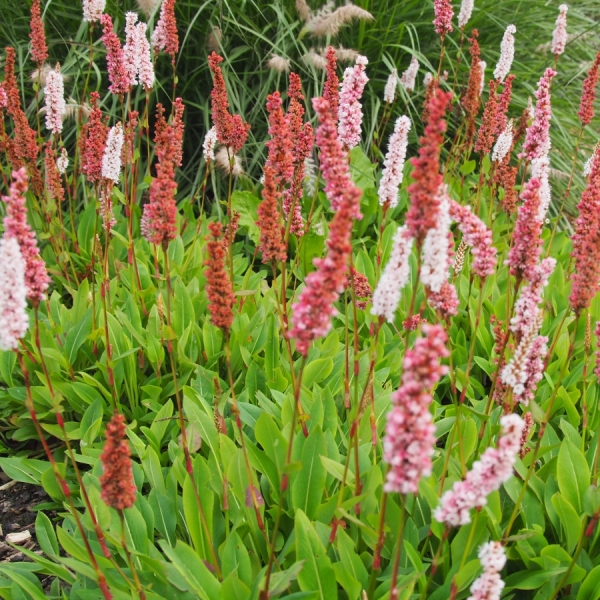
(587, 167)
(392, 174)
(410, 434)
(507, 53)
(489, 585)
(427, 79)
(297, 223)
(540, 169)
(13, 294)
(537, 137)
(486, 475)
(350, 110)
(54, 97)
(434, 268)
(63, 161)
(389, 93)
(131, 51)
(409, 77)
(527, 307)
(443, 17)
(559, 37)
(478, 237)
(146, 67)
(394, 277)
(111, 160)
(16, 225)
(93, 9)
(525, 369)
(503, 143)
(483, 66)
(466, 9)
(209, 144)
(445, 302)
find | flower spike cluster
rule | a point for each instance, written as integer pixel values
(94, 141)
(218, 286)
(487, 475)
(39, 49)
(559, 37)
(117, 70)
(443, 17)
(524, 256)
(280, 146)
(272, 245)
(435, 260)
(466, 10)
(231, 129)
(392, 174)
(116, 482)
(54, 98)
(13, 294)
(586, 242)
(394, 277)
(489, 585)
(93, 9)
(409, 77)
(16, 226)
(136, 52)
(588, 95)
(164, 36)
(389, 93)
(111, 160)
(537, 138)
(507, 54)
(472, 98)
(350, 110)
(331, 89)
(312, 313)
(424, 200)
(410, 433)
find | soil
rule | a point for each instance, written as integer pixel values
(17, 514)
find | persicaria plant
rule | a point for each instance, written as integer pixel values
(279, 322)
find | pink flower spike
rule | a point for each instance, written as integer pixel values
(435, 256)
(13, 294)
(164, 36)
(311, 316)
(54, 98)
(350, 110)
(466, 9)
(16, 225)
(559, 37)
(588, 94)
(392, 175)
(93, 9)
(111, 160)
(489, 585)
(117, 71)
(478, 237)
(389, 93)
(131, 51)
(146, 66)
(409, 77)
(410, 434)
(537, 137)
(507, 54)
(524, 256)
(486, 475)
(394, 277)
(443, 17)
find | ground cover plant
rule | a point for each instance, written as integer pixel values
(340, 342)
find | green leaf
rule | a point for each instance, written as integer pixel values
(590, 588)
(316, 371)
(91, 422)
(77, 335)
(153, 470)
(317, 574)
(165, 515)
(45, 534)
(281, 580)
(24, 470)
(573, 474)
(570, 521)
(192, 569)
(307, 489)
(246, 204)
(236, 558)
